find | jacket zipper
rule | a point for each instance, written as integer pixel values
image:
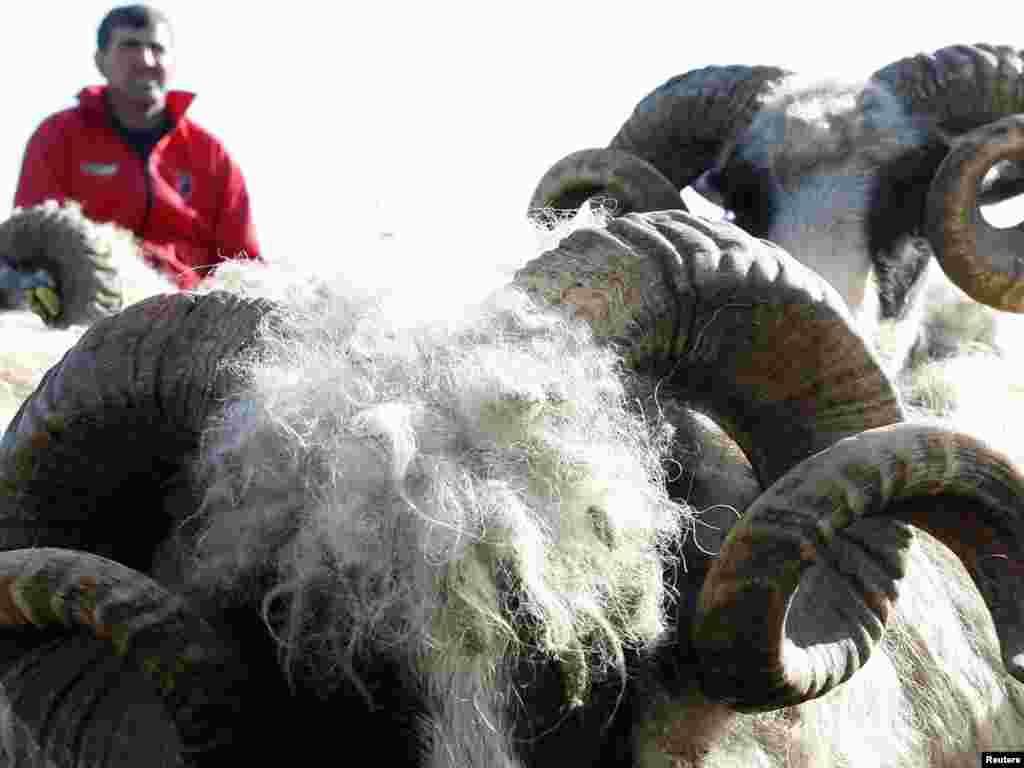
(148, 183)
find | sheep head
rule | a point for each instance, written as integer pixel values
(862, 182)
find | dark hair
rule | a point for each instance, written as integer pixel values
(135, 16)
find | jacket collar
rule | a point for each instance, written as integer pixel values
(92, 100)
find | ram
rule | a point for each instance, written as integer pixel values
(243, 530)
(863, 182)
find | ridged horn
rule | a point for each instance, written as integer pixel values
(194, 672)
(94, 447)
(800, 532)
(68, 247)
(731, 325)
(674, 134)
(969, 92)
(985, 262)
(960, 87)
(682, 125)
(634, 184)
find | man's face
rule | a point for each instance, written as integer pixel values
(137, 63)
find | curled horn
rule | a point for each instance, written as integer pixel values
(76, 256)
(976, 94)
(677, 131)
(86, 467)
(682, 125)
(731, 325)
(194, 672)
(117, 420)
(634, 184)
(985, 262)
(952, 486)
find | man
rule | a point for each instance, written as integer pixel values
(129, 155)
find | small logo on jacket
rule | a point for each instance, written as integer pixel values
(183, 183)
(99, 169)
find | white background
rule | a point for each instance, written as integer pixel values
(434, 120)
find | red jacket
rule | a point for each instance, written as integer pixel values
(188, 205)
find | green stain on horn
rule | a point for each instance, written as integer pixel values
(608, 294)
(659, 342)
(40, 601)
(164, 677)
(573, 192)
(45, 303)
(25, 458)
(87, 600)
(166, 673)
(540, 285)
(24, 461)
(120, 637)
(55, 423)
(1003, 98)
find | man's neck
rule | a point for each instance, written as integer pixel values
(136, 116)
